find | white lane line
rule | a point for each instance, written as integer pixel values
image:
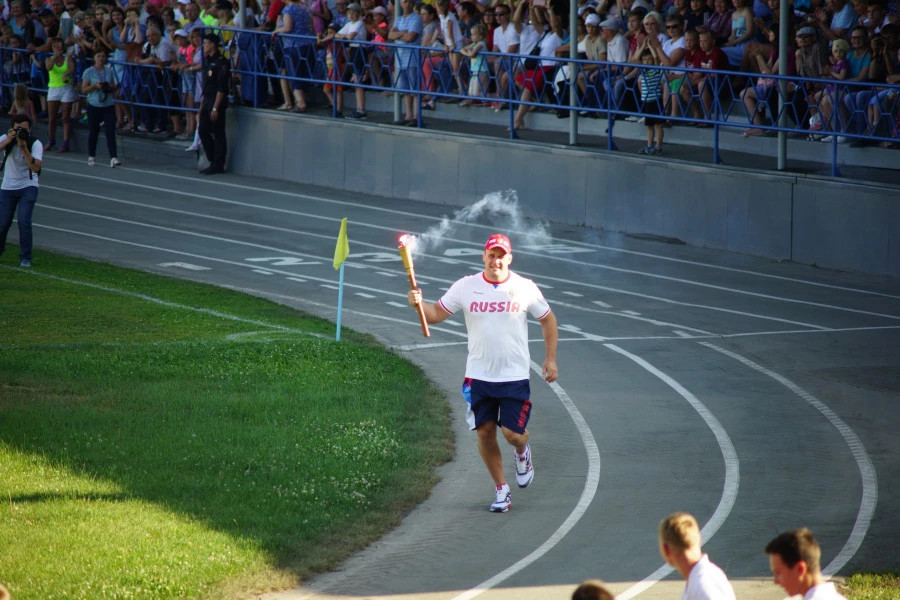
(329, 286)
(262, 272)
(587, 496)
(683, 334)
(631, 312)
(298, 280)
(368, 225)
(397, 304)
(729, 454)
(206, 311)
(602, 304)
(857, 449)
(573, 294)
(291, 252)
(404, 213)
(365, 295)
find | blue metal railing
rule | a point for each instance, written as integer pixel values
(858, 111)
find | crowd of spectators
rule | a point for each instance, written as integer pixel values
(473, 52)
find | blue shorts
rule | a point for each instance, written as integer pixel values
(507, 403)
(407, 78)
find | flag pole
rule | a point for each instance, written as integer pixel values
(341, 252)
(337, 335)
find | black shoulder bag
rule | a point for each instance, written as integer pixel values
(532, 63)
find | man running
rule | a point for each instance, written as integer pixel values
(496, 303)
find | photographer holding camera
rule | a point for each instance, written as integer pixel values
(22, 159)
(99, 84)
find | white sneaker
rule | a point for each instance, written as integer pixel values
(841, 139)
(92, 162)
(631, 119)
(192, 148)
(524, 468)
(115, 162)
(502, 502)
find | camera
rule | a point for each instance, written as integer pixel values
(22, 133)
(104, 87)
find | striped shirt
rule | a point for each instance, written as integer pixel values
(650, 79)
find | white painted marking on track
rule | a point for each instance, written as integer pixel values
(601, 304)
(683, 334)
(587, 496)
(729, 454)
(364, 295)
(857, 449)
(309, 234)
(370, 207)
(328, 286)
(633, 313)
(184, 265)
(297, 279)
(573, 294)
(387, 273)
(262, 271)
(397, 304)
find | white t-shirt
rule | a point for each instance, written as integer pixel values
(528, 39)
(823, 591)
(506, 38)
(15, 172)
(617, 49)
(359, 28)
(669, 47)
(549, 45)
(706, 581)
(450, 24)
(497, 321)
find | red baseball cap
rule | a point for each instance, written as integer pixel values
(498, 240)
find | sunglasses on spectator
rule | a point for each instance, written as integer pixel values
(673, 26)
(857, 37)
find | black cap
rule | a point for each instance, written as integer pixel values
(224, 5)
(211, 37)
(45, 12)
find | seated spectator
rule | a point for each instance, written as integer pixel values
(592, 589)
(671, 54)
(697, 15)
(761, 42)
(407, 30)
(469, 16)
(613, 80)
(742, 32)
(838, 68)
(887, 102)
(341, 16)
(719, 22)
(812, 63)
(531, 79)
(377, 29)
(678, 8)
(299, 52)
(156, 57)
(594, 49)
(22, 104)
(635, 33)
(843, 17)
(857, 102)
(758, 97)
(506, 41)
(653, 26)
(711, 58)
(689, 92)
(858, 59)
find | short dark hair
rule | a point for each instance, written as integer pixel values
(592, 589)
(21, 118)
(794, 546)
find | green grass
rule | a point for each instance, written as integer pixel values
(152, 451)
(883, 585)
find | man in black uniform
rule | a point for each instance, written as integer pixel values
(216, 82)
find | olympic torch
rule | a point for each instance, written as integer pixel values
(406, 243)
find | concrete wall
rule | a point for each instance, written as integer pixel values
(808, 219)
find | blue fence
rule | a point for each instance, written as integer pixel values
(761, 104)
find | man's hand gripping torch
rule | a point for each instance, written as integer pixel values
(406, 243)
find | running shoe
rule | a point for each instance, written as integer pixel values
(114, 162)
(524, 468)
(359, 115)
(502, 502)
(26, 264)
(92, 162)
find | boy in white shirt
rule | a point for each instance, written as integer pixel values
(794, 560)
(679, 544)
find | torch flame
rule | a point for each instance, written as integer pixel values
(408, 240)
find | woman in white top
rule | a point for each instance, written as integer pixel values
(453, 40)
(531, 80)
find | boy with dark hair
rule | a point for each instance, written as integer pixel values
(794, 560)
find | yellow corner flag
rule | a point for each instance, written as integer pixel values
(342, 250)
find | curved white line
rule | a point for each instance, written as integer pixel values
(587, 496)
(732, 469)
(370, 207)
(863, 461)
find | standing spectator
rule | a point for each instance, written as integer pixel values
(156, 58)
(22, 104)
(794, 560)
(124, 33)
(506, 41)
(649, 84)
(214, 105)
(407, 30)
(353, 32)
(99, 84)
(342, 17)
(496, 385)
(758, 97)
(469, 17)
(712, 59)
(478, 68)
(531, 80)
(434, 56)
(192, 18)
(23, 156)
(187, 81)
(680, 546)
(299, 52)
(321, 14)
(453, 41)
(60, 93)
